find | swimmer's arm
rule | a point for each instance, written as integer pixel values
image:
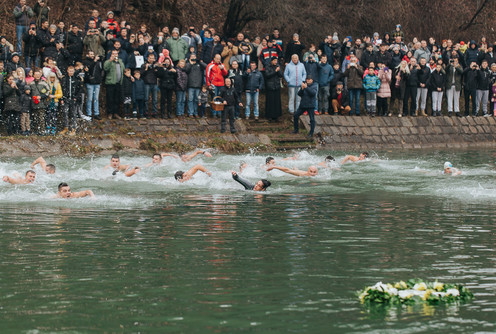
(132, 171)
(12, 180)
(190, 157)
(287, 170)
(148, 165)
(458, 172)
(163, 155)
(243, 182)
(323, 164)
(294, 157)
(197, 168)
(242, 167)
(83, 193)
(349, 158)
(40, 161)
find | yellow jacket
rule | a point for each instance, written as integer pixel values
(58, 91)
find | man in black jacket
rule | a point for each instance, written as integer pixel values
(75, 43)
(71, 89)
(32, 47)
(470, 87)
(411, 88)
(294, 48)
(230, 98)
(307, 92)
(483, 84)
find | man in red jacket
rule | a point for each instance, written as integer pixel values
(215, 74)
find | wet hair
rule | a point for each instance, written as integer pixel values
(330, 158)
(30, 171)
(157, 154)
(179, 175)
(366, 154)
(115, 156)
(266, 183)
(62, 185)
(269, 159)
(50, 167)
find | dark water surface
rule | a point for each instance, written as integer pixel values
(150, 255)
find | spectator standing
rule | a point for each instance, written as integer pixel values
(210, 49)
(23, 15)
(138, 95)
(167, 75)
(75, 43)
(254, 83)
(149, 75)
(114, 73)
(272, 76)
(411, 81)
(192, 38)
(127, 93)
(229, 51)
(53, 104)
(294, 74)
(229, 97)
(195, 79)
(483, 84)
(32, 47)
(294, 48)
(26, 102)
(94, 40)
(178, 46)
(307, 93)
(93, 70)
(437, 82)
(384, 91)
(424, 74)
(41, 12)
(470, 87)
(454, 73)
(11, 108)
(39, 94)
(181, 87)
(371, 84)
(354, 74)
(237, 79)
(215, 74)
(326, 74)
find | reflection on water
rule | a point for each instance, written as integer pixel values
(150, 254)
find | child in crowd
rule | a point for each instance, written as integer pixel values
(371, 84)
(202, 101)
(127, 92)
(230, 98)
(26, 102)
(138, 95)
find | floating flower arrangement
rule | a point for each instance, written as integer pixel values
(414, 291)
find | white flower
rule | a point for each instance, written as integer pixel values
(405, 294)
(420, 286)
(453, 292)
(438, 286)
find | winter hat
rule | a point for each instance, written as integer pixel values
(110, 12)
(309, 77)
(447, 164)
(27, 87)
(175, 30)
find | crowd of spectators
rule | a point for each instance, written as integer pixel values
(52, 74)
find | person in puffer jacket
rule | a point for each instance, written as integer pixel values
(371, 84)
(384, 92)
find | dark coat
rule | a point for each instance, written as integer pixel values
(294, 49)
(196, 72)
(209, 50)
(229, 95)
(32, 45)
(94, 75)
(367, 58)
(75, 44)
(25, 102)
(71, 88)
(127, 87)
(167, 78)
(272, 78)
(470, 78)
(437, 80)
(457, 73)
(254, 81)
(11, 98)
(138, 90)
(345, 97)
(483, 79)
(308, 96)
(354, 75)
(423, 75)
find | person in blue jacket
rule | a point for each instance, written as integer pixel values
(307, 93)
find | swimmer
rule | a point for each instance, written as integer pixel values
(65, 192)
(115, 164)
(311, 171)
(261, 185)
(48, 168)
(242, 166)
(28, 178)
(189, 157)
(156, 160)
(185, 176)
(353, 158)
(269, 162)
(327, 161)
(450, 170)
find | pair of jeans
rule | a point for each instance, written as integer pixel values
(93, 92)
(180, 102)
(151, 89)
(296, 119)
(252, 96)
(32, 62)
(323, 98)
(355, 101)
(21, 29)
(139, 106)
(193, 101)
(294, 99)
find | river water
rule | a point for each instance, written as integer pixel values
(152, 255)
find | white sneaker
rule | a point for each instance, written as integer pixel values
(86, 118)
(487, 115)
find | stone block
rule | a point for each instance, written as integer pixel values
(375, 131)
(414, 130)
(384, 131)
(359, 121)
(472, 129)
(463, 120)
(470, 120)
(404, 131)
(264, 139)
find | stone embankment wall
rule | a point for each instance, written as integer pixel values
(346, 132)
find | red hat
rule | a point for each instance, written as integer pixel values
(462, 43)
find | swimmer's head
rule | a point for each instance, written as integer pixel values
(364, 155)
(30, 176)
(156, 158)
(179, 175)
(329, 158)
(50, 169)
(270, 161)
(312, 170)
(261, 185)
(115, 161)
(447, 164)
(64, 190)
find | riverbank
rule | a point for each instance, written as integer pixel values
(332, 133)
